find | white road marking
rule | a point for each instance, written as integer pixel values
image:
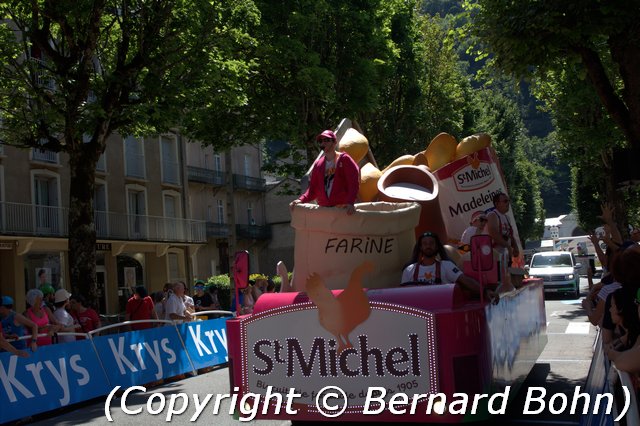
(578, 328)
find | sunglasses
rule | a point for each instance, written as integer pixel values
(323, 140)
(481, 219)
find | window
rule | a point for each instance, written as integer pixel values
(176, 266)
(170, 164)
(209, 213)
(217, 162)
(136, 204)
(250, 219)
(173, 228)
(101, 166)
(134, 157)
(220, 212)
(100, 209)
(247, 165)
(47, 213)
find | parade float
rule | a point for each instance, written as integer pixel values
(349, 343)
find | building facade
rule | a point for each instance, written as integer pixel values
(166, 210)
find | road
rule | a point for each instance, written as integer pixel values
(563, 365)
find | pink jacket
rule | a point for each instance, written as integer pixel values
(345, 182)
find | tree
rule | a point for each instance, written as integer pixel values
(74, 72)
(600, 38)
(424, 92)
(329, 58)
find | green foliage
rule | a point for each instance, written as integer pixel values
(256, 277)
(425, 90)
(584, 58)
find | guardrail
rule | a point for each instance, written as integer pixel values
(604, 378)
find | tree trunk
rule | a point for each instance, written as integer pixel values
(82, 231)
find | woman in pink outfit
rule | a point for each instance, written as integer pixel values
(37, 314)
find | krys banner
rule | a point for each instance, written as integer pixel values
(205, 341)
(142, 356)
(52, 377)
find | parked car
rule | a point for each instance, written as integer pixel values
(558, 270)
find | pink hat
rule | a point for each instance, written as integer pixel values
(327, 134)
(478, 214)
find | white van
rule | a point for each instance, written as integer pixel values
(558, 270)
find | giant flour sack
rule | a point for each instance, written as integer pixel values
(331, 243)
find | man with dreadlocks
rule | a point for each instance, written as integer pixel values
(430, 265)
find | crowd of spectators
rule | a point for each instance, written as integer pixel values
(613, 304)
(57, 316)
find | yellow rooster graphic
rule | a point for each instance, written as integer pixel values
(339, 315)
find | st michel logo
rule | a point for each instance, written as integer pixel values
(473, 175)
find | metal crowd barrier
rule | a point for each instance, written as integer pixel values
(603, 378)
(92, 367)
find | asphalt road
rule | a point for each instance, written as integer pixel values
(563, 365)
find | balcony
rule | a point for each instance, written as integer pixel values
(42, 80)
(253, 232)
(249, 183)
(217, 230)
(208, 176)
(44, 156)
(48, 221)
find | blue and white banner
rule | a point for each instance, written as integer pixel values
(142, 356)
(205, 341)
(52, 377)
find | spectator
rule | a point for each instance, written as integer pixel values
(335, 177)
(624, 315)
(247, 300)
(14, 325)
(635, 235)
(158, 298)
(616, 275)
(64, 318)
(612, 236)
(4, 345)
(271, 286)
(87, 317)
(48, 293)
(596, 304)
(188, 300)
(175, 308)
(202, 300)
(213, 292)
(430, 265)
(36, 313)
(627, 360)
(140, 307)
(477, 225)
(501, 232)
